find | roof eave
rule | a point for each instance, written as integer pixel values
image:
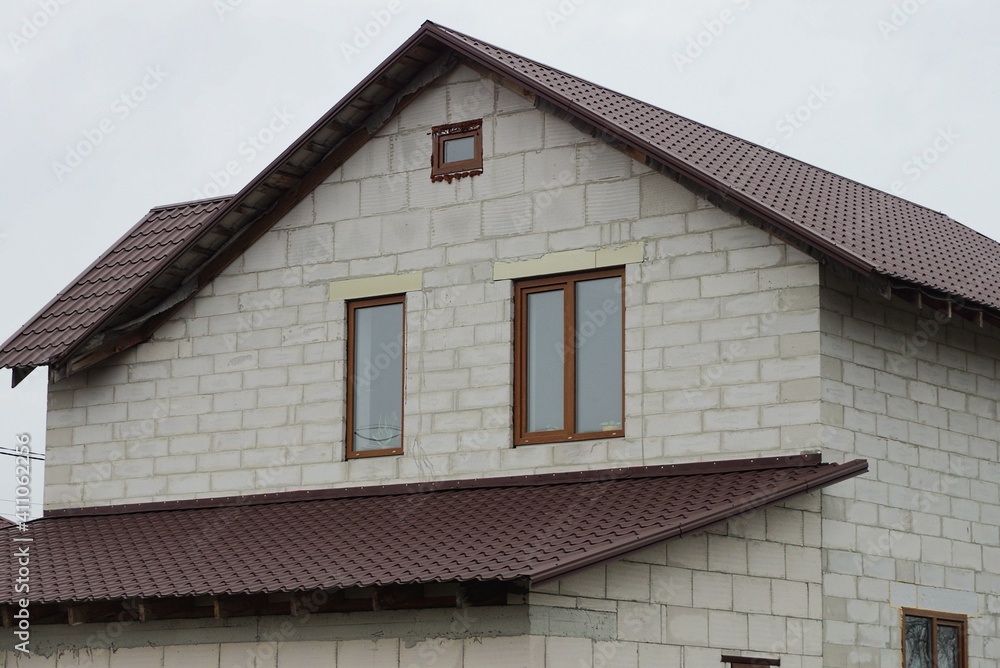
(233, 204)
(834, 475)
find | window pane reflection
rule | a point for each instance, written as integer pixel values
(918, 642)
(463, 148)
(947, 649)
(378, 377)
(545, 361)
(599, 355)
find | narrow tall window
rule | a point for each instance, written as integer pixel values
(934, 640)
(375, 377)
(569, 357)
(457, 150)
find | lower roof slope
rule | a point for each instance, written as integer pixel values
(152, 243)
(533, 527)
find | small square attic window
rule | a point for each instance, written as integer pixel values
(457, 150)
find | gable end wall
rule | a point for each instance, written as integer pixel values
(244, 390)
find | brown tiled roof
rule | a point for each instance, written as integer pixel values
(536, 527)
(152, 244)
(859, 225)
(870, 231)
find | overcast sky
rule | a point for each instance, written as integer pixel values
(112, 108)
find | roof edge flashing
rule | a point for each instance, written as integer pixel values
(569, 477)
(834, 474)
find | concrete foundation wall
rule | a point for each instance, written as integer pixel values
(244, 390)
(916, 394)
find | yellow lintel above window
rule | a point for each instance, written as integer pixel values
(575, 260)
(374, 286)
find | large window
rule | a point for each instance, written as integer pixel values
(375, 376)
(569, 357)
(934, 640)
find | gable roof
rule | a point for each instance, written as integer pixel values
(898, 243)
(537, 527)
(166, 236)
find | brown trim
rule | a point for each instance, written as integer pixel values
(258, 604)
(350, 428)
(567, 284)
(595, 475)
(744, 661)
(440, 135)
(937, 619)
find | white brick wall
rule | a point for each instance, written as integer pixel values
(916, 395)
(244, 390)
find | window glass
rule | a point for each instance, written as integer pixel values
(598, 340)
(947, 654)
(918, 642)
(568, 342)
(545, 361)
(463, 148)
(378, 378)
(934, 640)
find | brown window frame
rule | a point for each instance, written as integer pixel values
(352, 307)
(440, 134)
(945, 619)
(567, 282)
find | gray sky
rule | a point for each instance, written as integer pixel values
(902, 95)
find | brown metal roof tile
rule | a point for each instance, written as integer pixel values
(535, 527)
(107, 283)
(868, 230)
(891, 235)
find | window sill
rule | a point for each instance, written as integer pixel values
(541, 439)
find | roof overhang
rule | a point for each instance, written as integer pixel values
(238, 221)
(384, 540)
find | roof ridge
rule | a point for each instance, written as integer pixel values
(204, 200)
(405, 488)
(691, 120)
(876, 235)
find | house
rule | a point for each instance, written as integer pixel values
(497, 367)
